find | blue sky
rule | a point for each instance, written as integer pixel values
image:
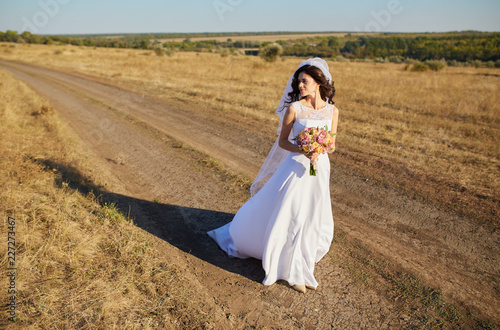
(127, 16)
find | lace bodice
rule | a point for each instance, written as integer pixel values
(307, 117)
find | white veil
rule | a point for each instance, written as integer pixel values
(277, 154)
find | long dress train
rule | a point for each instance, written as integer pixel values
(288, 223)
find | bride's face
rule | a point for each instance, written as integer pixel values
(307, 84)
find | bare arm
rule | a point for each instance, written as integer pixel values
(288, 121)
(335, 121)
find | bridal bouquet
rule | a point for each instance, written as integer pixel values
(315, 140)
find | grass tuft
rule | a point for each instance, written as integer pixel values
(44, 110)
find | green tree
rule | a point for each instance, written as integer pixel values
(271, 52)
(11, 36)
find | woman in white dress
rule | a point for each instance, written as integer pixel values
(287, 223)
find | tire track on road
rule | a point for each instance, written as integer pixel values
(190, 127)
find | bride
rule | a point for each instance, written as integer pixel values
(287, 223)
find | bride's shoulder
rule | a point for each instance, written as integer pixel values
(295, 106)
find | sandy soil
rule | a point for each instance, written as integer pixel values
(140, 140)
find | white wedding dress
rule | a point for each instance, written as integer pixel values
(288, 223)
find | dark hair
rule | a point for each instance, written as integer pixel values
(326, 90)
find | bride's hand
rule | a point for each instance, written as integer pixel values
(313, 157)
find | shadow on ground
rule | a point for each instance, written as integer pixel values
(183, 227)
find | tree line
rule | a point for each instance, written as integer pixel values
(456, 46)
(460, 48)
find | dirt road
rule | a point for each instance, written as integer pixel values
(141, 140)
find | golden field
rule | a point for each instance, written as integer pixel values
(440, 127)
(263, 38)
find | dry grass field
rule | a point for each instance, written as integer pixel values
(432, 134)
